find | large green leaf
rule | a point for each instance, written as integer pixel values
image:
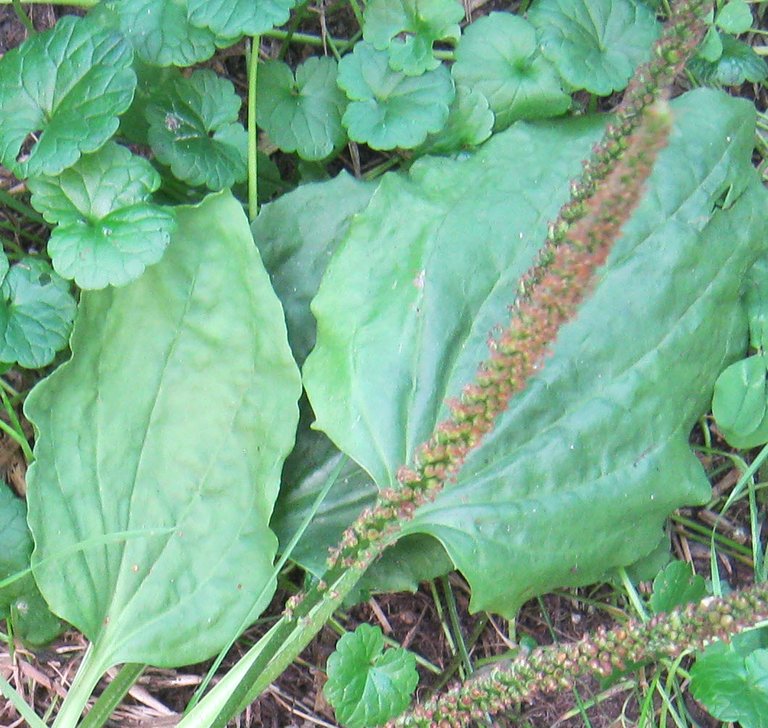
(62, 90)
(600, 435)
(167, 429)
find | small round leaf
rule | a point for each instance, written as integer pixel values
(740, 397)
(595, 44)
(36, 314)
(108, 232)
(389, 109)
(63, 90)
(737, 64)
(421, 22)
(302, 114)
(470, 122)
(498, 56)
(676, 586)
(194, 130)
(734, 17)
(233, 18)
(367, 685)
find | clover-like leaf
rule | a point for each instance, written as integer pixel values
(194, 130)
(498, 56)
(389, 109)
(62, 90)
(422, 22)
(302, 114)
(36, 314)
(470, 122)
(233, 18)
(159, 30)
(367, 685)
(108, 232)
(737, 64)
(595, 44)
(734, 17)
(675, 586)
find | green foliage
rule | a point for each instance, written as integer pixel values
(676, 586)
(233, 18)
(427, 260)
(735, 64)
(20, 600)
(388, 109)
(470, 123)
(171, 451)
(302, 114)
(108, 231)
(66, 88)
(421, 22)
(498, 56)
(193, 128)
(731, 680)
(594, 44)
(734, 17)
(36, 314)
(368, 685)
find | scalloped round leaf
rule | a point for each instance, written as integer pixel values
(194, 130)
(368, 685)
(387, 108)
(734, 17)
(737, 64)
(62, 92)
(36, 314)
(233, 18)
(676, 586)
(595, 44)
(160, 31)
(498, 56)
(302, 114)
(470, 123)
(421, 22)
(108, 232)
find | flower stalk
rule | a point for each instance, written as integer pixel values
(557, 667)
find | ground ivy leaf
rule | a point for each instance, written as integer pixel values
(733, 687)
(676, 586)
(20, 601)
(740, 399)
(711, 47)
(734, 17)
(194, 130)
(160, 31)
(168, 427)
(389, 109)
(366, 684)
(434, 260)
(422, 22)
(498, 56)
(595, 44)
(36, 314)
(108, 232)
(737, 64)
(302, 114)
(233, 18)
(470, 122)
(66, 86)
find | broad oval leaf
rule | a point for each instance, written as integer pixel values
(36, 314)
(168, 428)
(63, 90)
(595, 44)
(193, 128)
(302, 114)
(108, 231)
(429, 268)
(387, 108)
(498, 56)
(233, 18)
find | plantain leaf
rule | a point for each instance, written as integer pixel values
(168, 428)
(599, 437)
